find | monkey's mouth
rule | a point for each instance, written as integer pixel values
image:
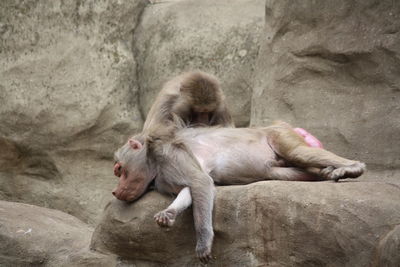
(127, 195)
(203, 117)
(131, 187)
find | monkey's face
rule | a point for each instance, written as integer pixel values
(132, 170)
(131, 185)
(202, 113)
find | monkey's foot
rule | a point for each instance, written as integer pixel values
(203, 253)
(351, 171)
(166, 218)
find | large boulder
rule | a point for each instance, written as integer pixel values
(270, 223)
(333, 67)
(220, 37)
(68, 100)
(35, 236)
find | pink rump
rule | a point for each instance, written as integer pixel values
(311, 140)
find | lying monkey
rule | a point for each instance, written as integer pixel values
(189, 161)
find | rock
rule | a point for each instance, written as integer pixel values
(78, 77)
(270, 223)
(67, 92)
(389, 247)
(129, 231)
(35, 236)
(333, 68)
(217, 37)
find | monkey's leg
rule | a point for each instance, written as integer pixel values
(293, 148)
(183, 200)
(334, 167)
(291, 174)
(270, 173)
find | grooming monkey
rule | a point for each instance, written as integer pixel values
(195, 98)
(189, 100)
(187, 162)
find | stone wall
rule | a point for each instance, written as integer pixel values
(68, 100)
(78, 77)
(333, 67)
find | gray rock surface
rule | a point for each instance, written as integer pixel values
(35, 236)
(272, 223)
(67, 100)
(78, 77)
(333, 67)
(219, 37)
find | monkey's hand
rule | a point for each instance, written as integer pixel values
(203, 253)
(351, 171)
(166, 218)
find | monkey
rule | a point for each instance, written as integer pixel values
(188, 161)
(166, 218)
(195, 98)
(189, 100)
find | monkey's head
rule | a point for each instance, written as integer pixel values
(201, 96)
(132, 168)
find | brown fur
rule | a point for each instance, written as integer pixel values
(195, 98)
(195, 157)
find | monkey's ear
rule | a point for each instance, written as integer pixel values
(135, 144)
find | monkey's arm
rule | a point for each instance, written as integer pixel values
(183, 201)
(181, 168)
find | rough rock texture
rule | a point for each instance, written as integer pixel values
(351, 223)
(35, 236)
(67, 100)
(333, 67)
(77, 77)
(220, 37)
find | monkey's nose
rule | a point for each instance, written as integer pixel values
(113, 192)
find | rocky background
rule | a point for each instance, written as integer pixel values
(78, 77)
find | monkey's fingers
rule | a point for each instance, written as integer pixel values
(163, 220)
(351, 171)
(204, 256)
(158, 219)
(326, 172)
